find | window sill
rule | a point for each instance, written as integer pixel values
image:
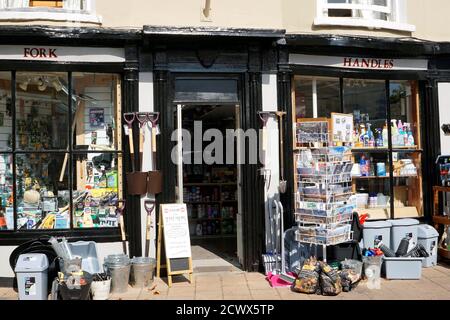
(30, 14)
(371, 24)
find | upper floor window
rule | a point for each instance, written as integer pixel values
(56, 10)
(374, 14)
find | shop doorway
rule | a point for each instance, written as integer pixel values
(208, 181)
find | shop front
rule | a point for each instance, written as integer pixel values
(62, 163)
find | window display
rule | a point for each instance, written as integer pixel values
(50, 193)
(386, 140)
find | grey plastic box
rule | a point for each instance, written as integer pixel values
(428, 237)
(87, 250)
(32, 276)
(402, 268)
(402, 228)
(376, 231)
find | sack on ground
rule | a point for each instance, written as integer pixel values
(308, 278)
(330, 281)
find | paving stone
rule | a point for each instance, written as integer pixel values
(237, 297)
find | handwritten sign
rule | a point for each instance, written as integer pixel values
(176, 231)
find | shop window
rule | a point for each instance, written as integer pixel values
(388, 14)
(386, 152)
(317, 97)
(66, 158)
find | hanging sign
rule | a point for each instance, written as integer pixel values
(62, 54)
(362, 63)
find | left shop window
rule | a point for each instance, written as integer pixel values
(42, 199)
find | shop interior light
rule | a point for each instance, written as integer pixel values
(42, 84)
(24, 85)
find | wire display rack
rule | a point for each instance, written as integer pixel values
(324, 201)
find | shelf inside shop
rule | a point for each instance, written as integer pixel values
(442, 220)
(384, 213)
(386, 149)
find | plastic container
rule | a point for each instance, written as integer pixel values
(428, 237)
(32, 277)
(403, 228)
(405, 268)
(87, 250)
(372, 271)
(118, 268)
(142, 271)
(100, 289)
(376, 231)
(76, 292)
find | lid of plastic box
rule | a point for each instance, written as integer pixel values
(404, 222)
(425, 231)
(31, 262)
(377, 224)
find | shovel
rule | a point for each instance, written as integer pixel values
(129, 119)
(119, 211)
(283, 183)
(149, 206)
(142, 117)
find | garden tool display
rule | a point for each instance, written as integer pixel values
(119, 211)
(129, 119)
(143, 118)
(153, 117)
(149, 206)
(264, 116)
(283, 182)
(154, 183)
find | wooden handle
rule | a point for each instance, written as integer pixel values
(149, 223)
(153, 139)
(130, 140)
(63, 169)
(122, 228)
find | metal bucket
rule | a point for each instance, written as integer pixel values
(143, 270)
(118, 268)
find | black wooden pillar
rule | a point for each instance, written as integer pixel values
(131, 104)
(252, 182)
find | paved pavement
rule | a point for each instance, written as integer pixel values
(434, 285)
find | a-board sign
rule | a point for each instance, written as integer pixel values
(341, 127)
(174, 242)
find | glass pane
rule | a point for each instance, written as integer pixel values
(5, 111)
(6, 193)
(96, 181)
(96, 111)
(406, 139)
(327, 92)
(42, 196)
(41, 111)
(366, 99)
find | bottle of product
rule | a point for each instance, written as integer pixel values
(362, 134)
(371, 168)
(198, 230)
(356, 138)
(363, 166)
(385, 135)
(378, 138)
(370, 136)
(411, 141)
(394, 132)
(400, 139)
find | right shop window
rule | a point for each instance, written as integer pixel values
(386, 150)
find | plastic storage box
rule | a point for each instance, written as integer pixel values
(87, 250)
(402, 268)
(402, 228)
(32, 278)
(376, 231)
(428, 237)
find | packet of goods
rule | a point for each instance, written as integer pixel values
(308, 278)
(330, 281)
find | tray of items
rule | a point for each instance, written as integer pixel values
(322, 235)
(341, 214)
(312, 132)
(308, 190)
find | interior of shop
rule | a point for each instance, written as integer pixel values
(210, 186)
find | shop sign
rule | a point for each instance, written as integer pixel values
(176, 231)
(361, 63)
(61, 54)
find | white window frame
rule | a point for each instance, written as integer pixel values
(87, 15)
(396, 9)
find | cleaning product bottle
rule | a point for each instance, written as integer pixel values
(378, 138)
(411, 141)
(405, 134)
(385, 135)
(363, 166)
(371, 167)
(400, 140)
(370, 136)
(362, 135)
(394, 132)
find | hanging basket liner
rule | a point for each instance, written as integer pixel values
(137, 183)
(154, 183)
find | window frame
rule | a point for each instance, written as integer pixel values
(87, 15)
(12, 237)
(397, 10)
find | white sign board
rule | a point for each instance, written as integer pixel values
(176, 231)
(361, 63)
(62, 54)
(342, 127)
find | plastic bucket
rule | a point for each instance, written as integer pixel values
(372, 271)
(142, 271)
(100, 289)
(137, 183)
(77, 292)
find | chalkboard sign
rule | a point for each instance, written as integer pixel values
(173, 237)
